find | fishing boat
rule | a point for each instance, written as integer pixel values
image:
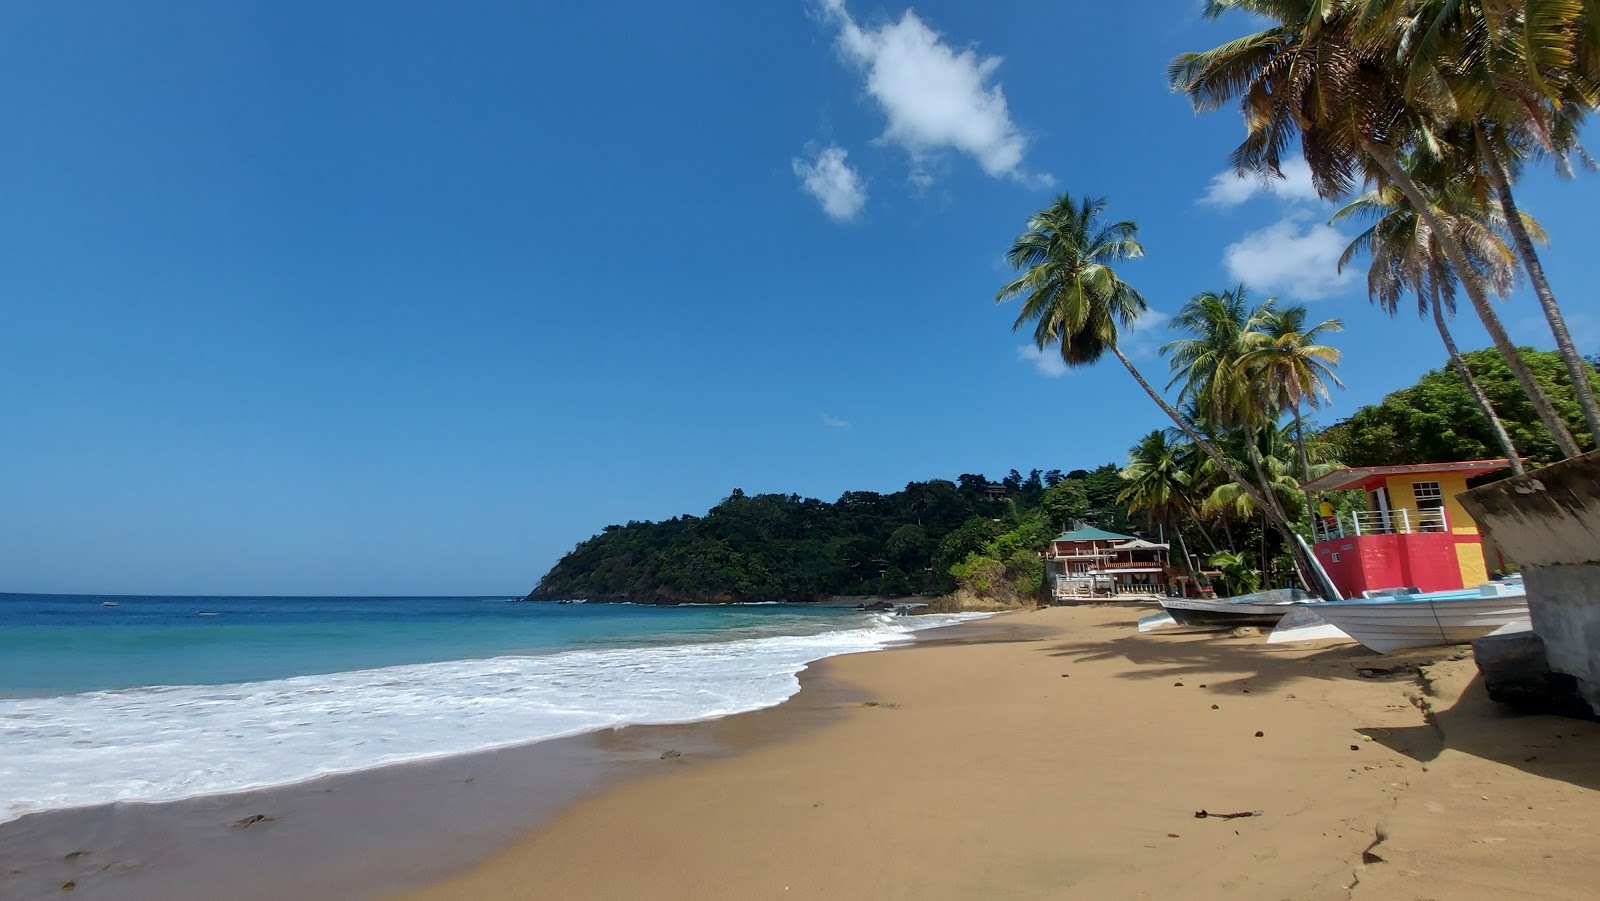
(1261, 608)
(1420, 620)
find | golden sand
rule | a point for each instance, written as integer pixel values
(1066, 757)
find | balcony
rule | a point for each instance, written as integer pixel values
(1399, 521)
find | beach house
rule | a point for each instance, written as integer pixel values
(1412, 532)
(1092, 564)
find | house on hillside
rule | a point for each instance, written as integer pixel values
(1092, 564)
(1412, 533)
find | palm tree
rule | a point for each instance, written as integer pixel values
(1314, 73)
(1291, 370)
(1158, 482)
(1073, 298)
(1515, 75)
(1206, 365)
(1405, 256)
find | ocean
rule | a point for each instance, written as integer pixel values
(107, 699)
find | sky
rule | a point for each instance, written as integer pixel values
(408, 298)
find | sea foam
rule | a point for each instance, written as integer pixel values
(165, 743)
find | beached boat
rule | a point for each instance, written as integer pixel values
(1422, 620)
(1262, 608)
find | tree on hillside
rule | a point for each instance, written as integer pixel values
(1435, 420)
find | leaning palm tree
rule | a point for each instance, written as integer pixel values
(1287, 365)
(1314, 73)
(1517, 76)
(1073, 298)
(1405, 256)
(1205, 362)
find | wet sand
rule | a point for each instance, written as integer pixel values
(1069, 761)
(1057, 754)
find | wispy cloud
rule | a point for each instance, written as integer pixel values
(1292, 256)
(830, 179)
(833, 422)
(934, 97)
(1143, 341)
(1048, 361)
(1229, 189)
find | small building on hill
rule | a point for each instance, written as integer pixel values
(1413, 533)
(1092, 564)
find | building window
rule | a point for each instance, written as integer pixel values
(1336, 556)
(1428, 495)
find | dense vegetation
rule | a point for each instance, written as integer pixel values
(1436, 419)
(785, 547)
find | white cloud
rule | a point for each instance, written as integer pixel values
(834, 422)
(835, 185)
(1291, 256)
(934, 97)
(1144, 339)
(1047, 361)
(1229, 189)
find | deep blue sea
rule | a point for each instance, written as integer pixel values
(154, 698)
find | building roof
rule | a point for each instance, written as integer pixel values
(1090, 533)
(1139, 544)
(1360, 477)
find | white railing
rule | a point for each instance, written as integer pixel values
(1399, 521)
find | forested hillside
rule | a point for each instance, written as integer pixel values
(771, 547)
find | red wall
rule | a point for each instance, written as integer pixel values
(1425, 560)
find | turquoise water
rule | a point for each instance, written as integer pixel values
(159, 698)
(53, 644)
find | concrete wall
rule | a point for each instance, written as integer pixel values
(1431, 561)
(1548, 522)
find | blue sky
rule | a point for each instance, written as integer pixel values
(408, 298)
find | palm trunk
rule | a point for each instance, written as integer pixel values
(1491, 322)
(1279, 517)
(1501, 437)
(1305, 470)
(1576, 367)
(1264, 502)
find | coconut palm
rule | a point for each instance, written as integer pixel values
(1315, 73)
(1290, 369)
(1158, 481)
(1518, 76)
(1205, 362)
(1405, 256)
(1073, 298)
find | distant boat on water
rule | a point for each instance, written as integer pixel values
(204, 613)
(108, 603)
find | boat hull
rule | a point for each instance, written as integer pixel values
(1393, 624)
(1260, 609)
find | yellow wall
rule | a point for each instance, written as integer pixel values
(1469, 557)
(1450, 485)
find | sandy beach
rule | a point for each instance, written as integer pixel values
(1066, 755)
(1048, 754)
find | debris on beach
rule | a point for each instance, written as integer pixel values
(1260, 734)
(74, 855)
(879, 704)
(251, 820)
(668, 755)
(68, 886)
(1204, 814)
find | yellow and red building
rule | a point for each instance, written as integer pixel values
(1413, 532)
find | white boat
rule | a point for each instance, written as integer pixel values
(1262, 608)
(1387, 624)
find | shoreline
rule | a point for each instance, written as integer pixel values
(1056, 753)
(1067, 756)
(373, 832)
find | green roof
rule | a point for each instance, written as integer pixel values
(1090, 533)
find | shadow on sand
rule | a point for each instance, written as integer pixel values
(1551, 747)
